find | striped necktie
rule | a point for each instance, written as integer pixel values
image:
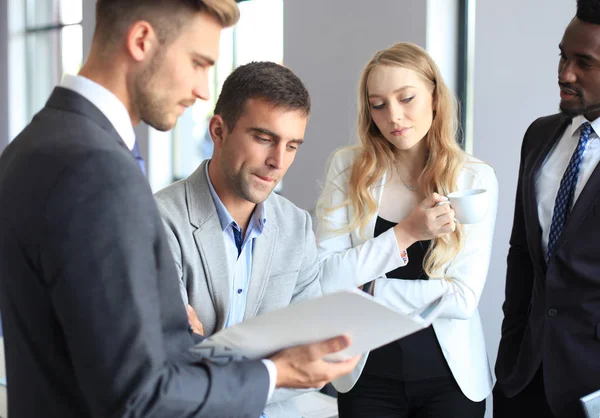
(566, 190)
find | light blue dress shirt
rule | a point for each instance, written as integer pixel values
(239, 260)
(239, 254)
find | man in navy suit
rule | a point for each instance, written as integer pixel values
(549, 354)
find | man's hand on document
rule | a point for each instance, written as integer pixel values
(304, 366)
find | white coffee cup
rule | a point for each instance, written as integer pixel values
(470, 206)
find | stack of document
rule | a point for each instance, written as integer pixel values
(369, 323)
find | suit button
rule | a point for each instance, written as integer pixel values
(552, 312)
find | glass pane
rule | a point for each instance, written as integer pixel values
(51, 54)
(72, 49)
(71, 11)
(226, 62)
(43, 68)
(259, 33)
(258, 36)
(41, 13)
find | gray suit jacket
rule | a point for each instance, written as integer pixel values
(90, 304)
(284, 265)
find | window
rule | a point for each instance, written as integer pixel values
(258, 36)
(465, 63)
(53, 47)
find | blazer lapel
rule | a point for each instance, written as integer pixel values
(369, 230)
(377, 192)
(535, 161)
(203, 215)
(262, 255)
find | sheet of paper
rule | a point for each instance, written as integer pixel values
(367, 321)
(591, 404)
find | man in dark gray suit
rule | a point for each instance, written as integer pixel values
(88, 290)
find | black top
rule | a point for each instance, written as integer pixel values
(417, 356)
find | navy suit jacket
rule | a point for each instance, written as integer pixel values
(552, 310)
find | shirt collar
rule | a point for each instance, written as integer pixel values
(579, 120)
(258, 215)
(106, 102)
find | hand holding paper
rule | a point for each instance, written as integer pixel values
(304, 366)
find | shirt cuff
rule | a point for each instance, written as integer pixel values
(272, 369)
(400, 256)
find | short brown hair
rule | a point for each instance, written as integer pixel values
(264, 80)
(114, 17)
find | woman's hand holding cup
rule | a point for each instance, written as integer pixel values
(432, 218)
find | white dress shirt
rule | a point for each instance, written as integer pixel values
(117, 114)
(106, 102)
(548, 178)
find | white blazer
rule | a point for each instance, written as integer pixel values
(350, 260)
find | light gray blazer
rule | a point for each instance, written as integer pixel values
(285, 264)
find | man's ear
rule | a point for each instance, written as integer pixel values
(141, 41)
(218, 130)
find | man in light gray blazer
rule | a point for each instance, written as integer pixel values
(241, 250)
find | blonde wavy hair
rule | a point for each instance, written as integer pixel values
(375, 154)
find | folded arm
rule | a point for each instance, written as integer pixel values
(465, 275)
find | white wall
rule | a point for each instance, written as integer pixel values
(88, 22)
(327, 43)
(442, 41)
(516, 61)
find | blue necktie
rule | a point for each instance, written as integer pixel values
(237, 235)
(138, 157)
(566, 190)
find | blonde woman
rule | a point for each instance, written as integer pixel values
(382, 227)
